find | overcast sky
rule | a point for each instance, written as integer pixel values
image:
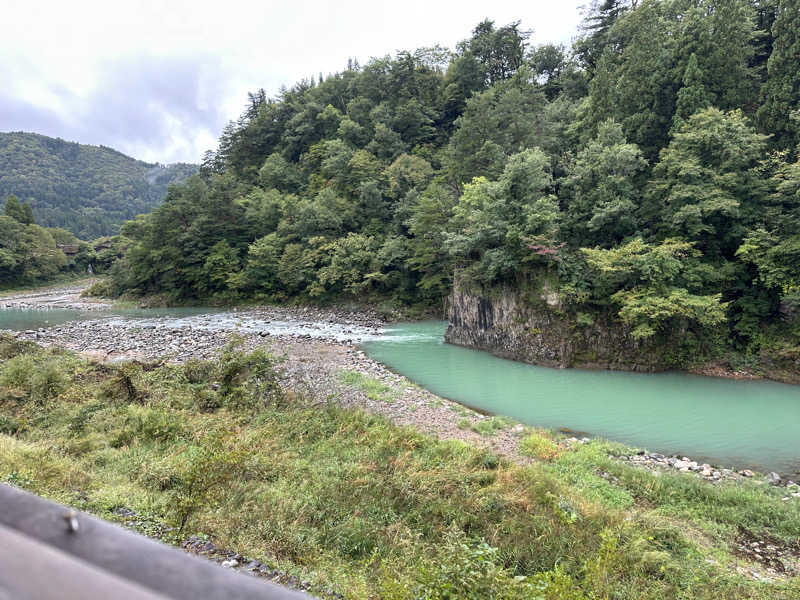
(158, 80)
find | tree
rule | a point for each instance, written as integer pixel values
(408, 172)
(548, 63)
(263, 258)
(774, 247)
(597, 26)
(497, 123)
(692, 97)
(14, 209)
(495, 221)
(648, 283)
(601, 192)
(707, 187)
(352, 264)
(27, 214)
(427, 224)
(781, 92)
(278, 173)
(500, 52)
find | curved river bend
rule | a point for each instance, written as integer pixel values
(733, 423)
(730, 423)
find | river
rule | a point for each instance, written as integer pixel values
(753, 424)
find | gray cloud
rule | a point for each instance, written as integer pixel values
(159, 80)
(146, 106)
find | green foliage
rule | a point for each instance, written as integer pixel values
(246, 380)
(21, 213)
(38, 379)
(490, 426)
(89, 190)
(373, 389)
(646, 282)
(540, 446)
(355, 504)
(495, 221)
(707, 184)
(781, 91)
(601, 195)
(28, 253)
(500, 164)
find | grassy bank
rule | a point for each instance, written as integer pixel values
(355, 504)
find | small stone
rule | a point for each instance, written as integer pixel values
(774, 478)
(746, 473)
(230, 564)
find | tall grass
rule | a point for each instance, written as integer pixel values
(355, 504)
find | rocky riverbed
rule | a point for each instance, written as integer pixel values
(320, 352)
(63, 297)
(658, 463)
(319, 347)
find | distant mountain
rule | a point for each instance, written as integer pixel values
(89, 190)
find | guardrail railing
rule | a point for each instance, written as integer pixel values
(49, 551)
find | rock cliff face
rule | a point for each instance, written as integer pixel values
(538, 331)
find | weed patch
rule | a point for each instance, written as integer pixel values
(358, 505)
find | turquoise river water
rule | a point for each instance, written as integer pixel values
(732, 423)
(739, 424)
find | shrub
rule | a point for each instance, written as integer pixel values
(9, 425)
(488, 427)
(247, 380)
(11, 347)
(147, 424)
(537, 445)
(39, 380)
(123, 385)
(103, 288)
(472, 570)
(201, 471)
(197, 371)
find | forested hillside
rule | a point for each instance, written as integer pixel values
(89, 190)
(32, 254)
(650, 172)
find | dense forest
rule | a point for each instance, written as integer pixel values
(88, 190)
(32, 254)
(650, 171)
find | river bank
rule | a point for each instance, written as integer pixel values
(321, 361)
(538, 329)
(306, 488)
(320, 351)
(57, 296)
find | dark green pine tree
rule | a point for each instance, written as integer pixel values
(602, 15)
(27, 214)
(693, 96)
(14, 209)
(782, 89)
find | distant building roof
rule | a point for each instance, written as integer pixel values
(68, 249)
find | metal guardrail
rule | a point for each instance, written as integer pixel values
(49, 551)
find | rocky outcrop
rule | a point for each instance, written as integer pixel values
(537, 329)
